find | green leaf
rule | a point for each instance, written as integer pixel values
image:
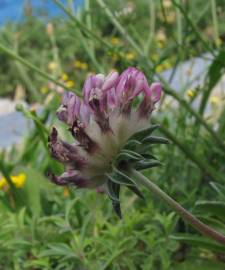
(199, 241)
(155, 140)
(214, 208)
(140, 135)
(143, 165)
(121, 180)
(112, 190)
(136, 191)
(132, 153)
(219, 188)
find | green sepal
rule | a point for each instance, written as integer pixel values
(140, 135)
(128, 155)
(142, 165)
(131, 144)
(113, 190)
(155, 140)
(136, 191)
(133, 153)
(121, 179)
(149, 156)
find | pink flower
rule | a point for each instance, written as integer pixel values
(114, 108)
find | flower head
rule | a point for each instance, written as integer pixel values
(110, 127)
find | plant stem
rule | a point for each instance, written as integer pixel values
(215, 20)
(32, 67)
(188, 217)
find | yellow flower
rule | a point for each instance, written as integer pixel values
(3, 183)
(66, 192)
(80, 65)
(19, 180)
(190, 93)
(218, 42)
(69, 84)
(214, 100)
(84, 66)
(161, 36)
(52, 66)
(44, 89)
(167, 3)
(159, 68)
(167, 64)
(130, 56)
(155, 57)
(64, 77)
(115, 41)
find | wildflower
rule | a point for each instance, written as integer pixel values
(44, 89)
(80, 65)
(52, 66)
(190, 93)
(108, 128)
(3, 183)
(130, 56)
(66, 192)
(160, 68)
(218, 42)
(115, 41)
(69, 84)
(64, 77)
(161, 37)
(215, 100)
(17, 180)
(167, 3)
(49, 29)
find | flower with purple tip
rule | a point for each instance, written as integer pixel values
(111, 130)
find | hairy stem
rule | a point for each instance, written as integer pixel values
(188, 217)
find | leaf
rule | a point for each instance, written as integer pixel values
(136, 191)
(214, 208)
(199, 241)
(112, 190)
(144, 132)
(143, 165)
(132, 153)
(117, 179)
(123, 178)
(126, 156)
(214, 74)
(117, 208)
(219, 188)
(131, 144)
(155, 140)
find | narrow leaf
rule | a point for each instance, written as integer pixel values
(136, 191)
(155, 140)
(142, 165)
(121, 180)
(144, 132)
(112, 190)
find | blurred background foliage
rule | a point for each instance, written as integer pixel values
(46, 227)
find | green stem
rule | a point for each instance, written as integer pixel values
(215, 21)
(188, 217)
(32, 67)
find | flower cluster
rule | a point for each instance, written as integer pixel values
(111, 131)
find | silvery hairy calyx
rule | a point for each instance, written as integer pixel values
(112, 139)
